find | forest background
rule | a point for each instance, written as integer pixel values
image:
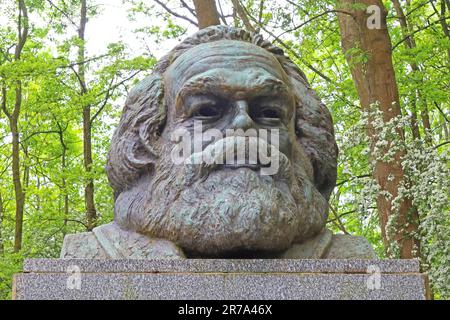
(381, 67)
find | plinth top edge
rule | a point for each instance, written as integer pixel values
(221, 266)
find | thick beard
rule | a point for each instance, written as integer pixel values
(225, 213)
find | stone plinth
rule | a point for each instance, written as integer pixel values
(220, 279)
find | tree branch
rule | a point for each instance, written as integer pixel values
(353, 178)
(65, 14)
(23, 32)
(417, 31)
(80, 81)
(221, 14)
(38, 132)
(277, 39)
(4, 108)
(314, 18)
(341, 215)
(442, 144)
(243, 15)
(185, 5)
(261, 11)
(337, 221)
(175, 14)
(440, 110)
(109, 92)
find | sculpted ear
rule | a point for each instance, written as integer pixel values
(135, 143)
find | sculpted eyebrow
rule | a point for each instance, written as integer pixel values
(200, 85)
(215, 86)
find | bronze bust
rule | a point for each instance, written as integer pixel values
(225, 79)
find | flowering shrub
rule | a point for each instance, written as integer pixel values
(426, 182)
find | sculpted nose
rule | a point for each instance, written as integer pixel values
(242, 120)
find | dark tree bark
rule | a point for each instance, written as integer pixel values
(13, 117)
(207, 14)
(63, 180)
(2, 213)
(376, 84)
(91, 212)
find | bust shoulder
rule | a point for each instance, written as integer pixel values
(82, 246)
(344, 246)
(111, 242)
(327, 245)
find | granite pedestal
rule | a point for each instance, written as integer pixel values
(220, 279)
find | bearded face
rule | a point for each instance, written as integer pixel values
(227, 80)
(226, 209)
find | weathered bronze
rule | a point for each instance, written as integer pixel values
(224, 78)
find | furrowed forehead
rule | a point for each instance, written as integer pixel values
(228, 55)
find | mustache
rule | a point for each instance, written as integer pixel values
(236, 152)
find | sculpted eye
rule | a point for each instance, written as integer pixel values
(270, 114)
(207, 112)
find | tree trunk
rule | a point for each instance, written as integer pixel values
(91, 213)
(376, 84)
(63, 180)
(444, 127)
(18, 190)
(2, 212)
(414, 121)
(410, 43)
(425, 118)
(207, 14)
(444, 23)
(441, 13)
(23, 28)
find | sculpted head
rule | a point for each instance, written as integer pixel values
(224, 79)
